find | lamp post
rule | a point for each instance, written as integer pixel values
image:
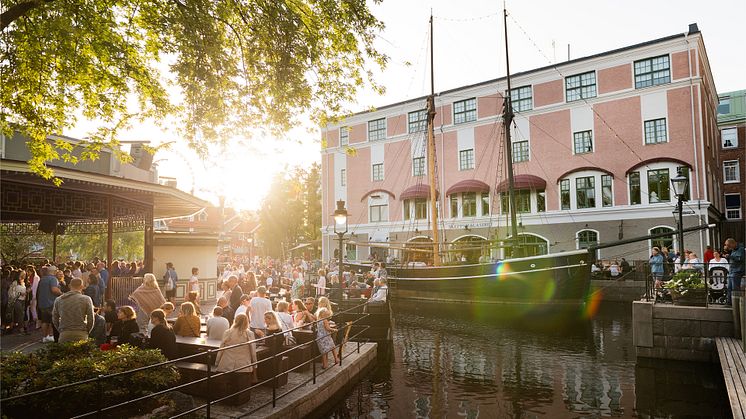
(680, 186)
(340, 227)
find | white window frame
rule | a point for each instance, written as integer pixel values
(574, 139)
(344, 134)
(382, 209)
(652, 71)
(470, 115)
(373, 172)
(517, 145)
(577, 237)
(377, 130)
(473, 163)
(418, 122)
(343, 177)
(517, 95)
(675, 236)
(655, 132)
(722, 144)
(736, 167)
(739, 209)
(580, 86)
(414, 166)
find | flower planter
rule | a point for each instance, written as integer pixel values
(693, 297)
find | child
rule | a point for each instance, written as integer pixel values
(323, 334)
(168, 308)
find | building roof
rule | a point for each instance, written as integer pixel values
(167, 202)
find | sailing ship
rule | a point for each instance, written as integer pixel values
(550, 279)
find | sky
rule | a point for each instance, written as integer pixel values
(469, 48)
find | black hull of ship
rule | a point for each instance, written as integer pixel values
(547, 280)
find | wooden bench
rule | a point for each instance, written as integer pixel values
(217, 387)
(733, 364)
(265, 370)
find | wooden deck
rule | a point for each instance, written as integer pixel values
(733, 363)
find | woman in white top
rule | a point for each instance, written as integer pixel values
(17, 299)
(614, 269)
(718, 261)
(194, 283)
(321, 283)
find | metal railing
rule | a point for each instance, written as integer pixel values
(212, 376)
(714, 278)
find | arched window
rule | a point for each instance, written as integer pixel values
(666, 241)
(587, 238)
(469, 248)
(419, 249)
(533, 244)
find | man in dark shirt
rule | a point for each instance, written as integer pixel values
(236, 292)
(737, 260)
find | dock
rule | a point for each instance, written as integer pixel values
(733, 363)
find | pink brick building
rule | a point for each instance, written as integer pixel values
(595, 143)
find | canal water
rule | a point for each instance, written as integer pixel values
(462, 361)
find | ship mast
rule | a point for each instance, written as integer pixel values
(431, 154)
(507, 121)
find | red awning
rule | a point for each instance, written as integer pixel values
(469, 185)
(523, 182)
(416, 191)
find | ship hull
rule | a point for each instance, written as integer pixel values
(554, 279)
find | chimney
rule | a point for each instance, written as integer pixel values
(693, 28)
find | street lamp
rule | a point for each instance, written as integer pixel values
(340, 227)
(680, 186)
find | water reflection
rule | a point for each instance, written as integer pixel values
(447, 362)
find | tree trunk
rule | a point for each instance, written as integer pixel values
(18, 10)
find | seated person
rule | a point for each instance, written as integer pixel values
(217, 324)
(162, 337)
(188, 323)
(125, 326)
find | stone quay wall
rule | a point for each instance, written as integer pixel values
(618, 291)
(681, 333)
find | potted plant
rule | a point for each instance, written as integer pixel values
(688, 288)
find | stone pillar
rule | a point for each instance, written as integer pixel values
(642, 324)
(737, 298)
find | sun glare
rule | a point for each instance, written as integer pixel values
(242, 174)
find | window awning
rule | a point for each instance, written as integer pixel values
(416, 191)
(523, 182)
(469, 185)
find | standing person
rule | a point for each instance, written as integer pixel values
(47, 292)
(296, 290)
(324, 338)
(103, 276)
(92, 289)
(321, 283)
(98, 333)
(170, 278)
(236, 292)
(656, 267)
(736, 269)
(148, 297)
(17, 300)
(33, 278)
(258, 306)
(73, 314)
(194, 285)
(709, 254)
(62, 281)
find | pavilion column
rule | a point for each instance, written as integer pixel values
(149, 247)
(109, 244)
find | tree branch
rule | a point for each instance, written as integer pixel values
(18, 10)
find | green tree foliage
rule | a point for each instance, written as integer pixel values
(128, 246)
(218, 68)
(291, 210)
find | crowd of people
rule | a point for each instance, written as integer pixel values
(68, 303)
(729, 260)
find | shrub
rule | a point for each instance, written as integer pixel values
(686, 280)
(60, 364)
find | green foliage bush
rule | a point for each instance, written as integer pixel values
(59, 364)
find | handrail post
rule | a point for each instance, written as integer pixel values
(313, 364)
(275, 369)
(207, 383)
(99, 384)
